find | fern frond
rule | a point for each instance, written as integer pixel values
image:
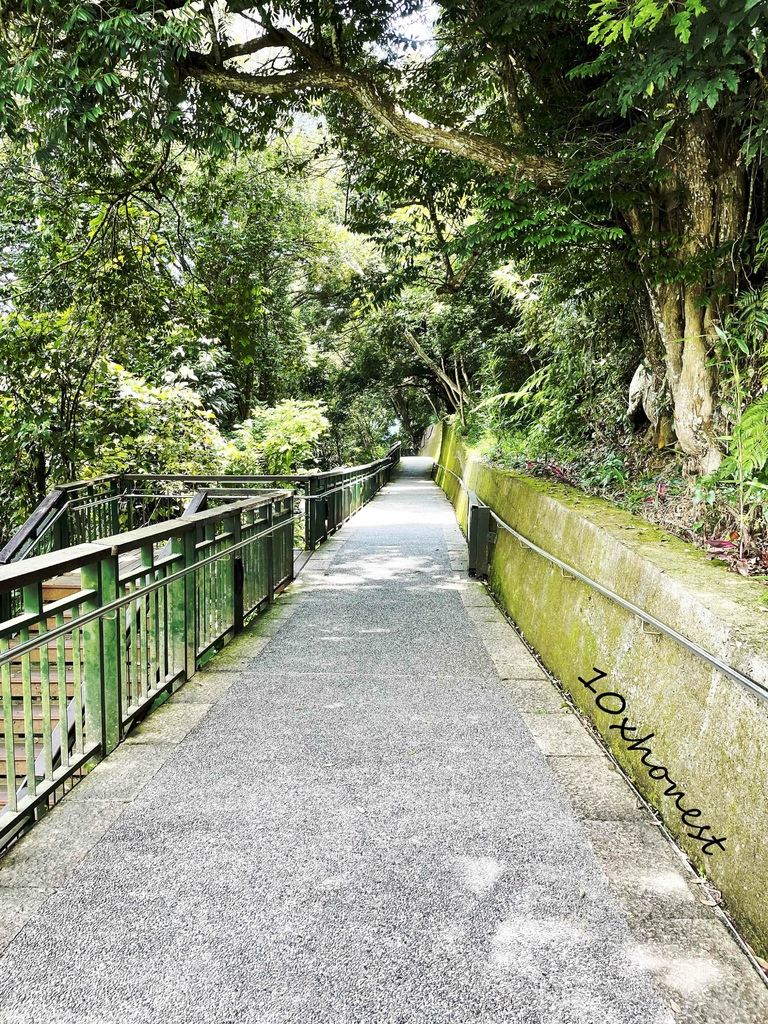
(751, 434)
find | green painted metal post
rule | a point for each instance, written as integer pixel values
(311, 514)
(10, 760)
(238, 575)
(290, 533)
(114, 505)
(190, 605)
(110, 644)
(61, 529)
(33, 605)
(93, 666)
(177, 611)
(270, 549)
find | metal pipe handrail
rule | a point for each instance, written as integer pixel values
(760, 689)
(138, 630)
(68, 498)
(78, 485)
(126, 540)
(275, 477)
(341, 486)
(44, 639)
(51, 503)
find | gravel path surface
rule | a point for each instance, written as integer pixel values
(360, 829)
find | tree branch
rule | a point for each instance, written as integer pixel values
(450, 276)
(755, 65)
(251, 46)
(508, 83)
(215, 44)
(457, 281)
(454, 391)
(542, 171)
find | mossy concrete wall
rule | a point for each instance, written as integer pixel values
(432, 440)
(710, 732)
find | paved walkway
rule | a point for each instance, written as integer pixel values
(347, 819)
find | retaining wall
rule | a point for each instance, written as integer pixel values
(705, 736)
(432, 440)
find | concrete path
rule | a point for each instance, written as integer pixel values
(359, 813)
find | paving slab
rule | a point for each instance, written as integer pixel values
(169, 723)
(596, 794)
(564, 735)
(359, 813)
(699, 963)
(536, 696)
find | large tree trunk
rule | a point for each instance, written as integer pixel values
(700, 205)
(688, 342)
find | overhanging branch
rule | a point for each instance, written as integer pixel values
(542, 171)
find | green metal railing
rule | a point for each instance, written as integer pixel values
(131, 617)
(98, 625)
(85, 511)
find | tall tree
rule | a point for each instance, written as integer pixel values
(643, 120)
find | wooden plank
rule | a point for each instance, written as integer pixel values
(48, 567)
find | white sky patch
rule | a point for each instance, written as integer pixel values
(420, 26)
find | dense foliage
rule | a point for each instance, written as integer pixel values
(374, 214)
(158, 333)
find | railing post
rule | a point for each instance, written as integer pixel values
(87, 527)
(61, 527)
(290, 535)
(32, 597)
(327, 510)
(310, 513)
(93, 665)
(114, 504)
(110, 640)
(190, 605)
(238, 576)
(177, 613)
(270, 546)
(478, 529)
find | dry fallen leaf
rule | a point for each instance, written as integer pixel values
(762, 963)
(698, 881)
(707, 901)
(674, 1007)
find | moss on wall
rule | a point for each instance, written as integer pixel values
(709, 732)
(432, 441)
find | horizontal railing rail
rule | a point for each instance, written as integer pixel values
(100, 624)
(88, 510)
(143, 611)
(480, 537)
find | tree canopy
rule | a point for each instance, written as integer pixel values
(392, 208)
